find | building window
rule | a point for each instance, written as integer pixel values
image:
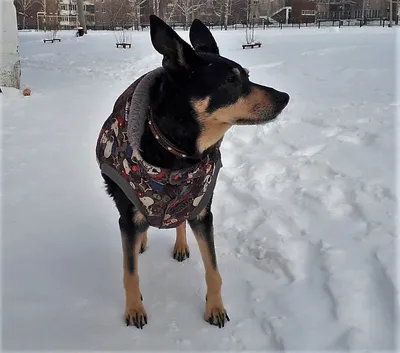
(103, 10)
(308, 12)
(89, 8)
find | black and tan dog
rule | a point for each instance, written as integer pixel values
(159, 151)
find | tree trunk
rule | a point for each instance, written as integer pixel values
(81, 15)
(187, 14)
(226, 14)
(138, 17)
(24, 20)
(192, 12)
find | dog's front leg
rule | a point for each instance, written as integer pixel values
(203, 230)
(181, 248)
(132, 235)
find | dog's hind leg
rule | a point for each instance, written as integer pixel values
(139, 219)
(181, 248)
(143, 246)
(203, 230)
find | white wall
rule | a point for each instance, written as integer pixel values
(10, 68)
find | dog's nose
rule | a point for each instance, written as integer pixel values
(278, 98)
(282, 98)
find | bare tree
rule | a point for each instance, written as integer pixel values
(188, 9)
(119, 13)
(238, 10)
(156, 7)
(171, 10)
(23, 7)
(223, 9)
(249, 24)
(137, 6)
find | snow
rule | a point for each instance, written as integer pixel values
(304, 207)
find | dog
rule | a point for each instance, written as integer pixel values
(159, 151)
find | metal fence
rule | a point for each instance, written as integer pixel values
(335, 19)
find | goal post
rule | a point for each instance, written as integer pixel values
(51, 22)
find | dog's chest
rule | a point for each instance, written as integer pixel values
(166, 197)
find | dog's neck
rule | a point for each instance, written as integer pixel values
(156, 154)
(165, 142)
(173, 119)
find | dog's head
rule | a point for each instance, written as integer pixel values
(218, 89)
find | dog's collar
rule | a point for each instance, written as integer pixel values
(164, 142)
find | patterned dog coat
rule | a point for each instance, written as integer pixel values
(165, 197)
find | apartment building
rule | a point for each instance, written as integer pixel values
(52, 14)
(69, 15)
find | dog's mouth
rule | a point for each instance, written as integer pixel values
(267, 116)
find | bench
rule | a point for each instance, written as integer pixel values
(51, 40)
(258, 44)
(123, 45)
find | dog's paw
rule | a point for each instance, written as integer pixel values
(216, 315)
(136, 316)
(181, 252)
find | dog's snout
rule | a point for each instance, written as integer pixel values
(277, 98)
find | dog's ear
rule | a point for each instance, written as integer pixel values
(202, 39)
(178, 55)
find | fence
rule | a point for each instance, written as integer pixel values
(345, 18)
(354, 14)
(335, 23)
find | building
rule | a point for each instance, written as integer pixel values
(355, 9)
(296, 11)
(276, 10)
(52, 14)
(303, 11)
(69, 15)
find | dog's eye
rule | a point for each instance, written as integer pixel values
(231, 79)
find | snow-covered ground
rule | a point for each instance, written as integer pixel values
(304, 208)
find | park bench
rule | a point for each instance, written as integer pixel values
(252, 45)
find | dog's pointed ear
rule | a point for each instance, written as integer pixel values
(178, 55)
(201, 38)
